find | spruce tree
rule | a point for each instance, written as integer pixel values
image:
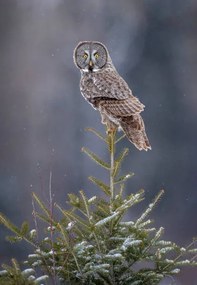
(92, 241)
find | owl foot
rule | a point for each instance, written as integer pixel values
(104, 119)
(111, 130)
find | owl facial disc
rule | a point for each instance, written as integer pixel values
(90, 56)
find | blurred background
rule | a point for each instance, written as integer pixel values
(153, 45)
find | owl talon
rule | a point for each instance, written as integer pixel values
(111, 131)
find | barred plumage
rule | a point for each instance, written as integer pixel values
(107, 92)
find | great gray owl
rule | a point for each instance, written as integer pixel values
(106, 91)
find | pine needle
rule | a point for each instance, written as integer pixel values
(95, 158)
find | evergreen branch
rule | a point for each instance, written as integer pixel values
(64, 235)
(164, 243)
(43, 218)
(120, 138)
(69, 247)
(9, 225)
(111, 145)
(90, 218)
(107, 219)
(194, 250)
(153, 241)
(78, 204)
(34, 217)
(183, 252)
(157, 236)
(41, 205)
(99, 135)
(123, 178)
(144, 224)
(86, 206)
(74, 218)
(95, 158)
(103, 209)
(130, 201)
(150, 208)
(101, 185)
(119, 195)
(12, 275)
(92, 200)
(24, 229)
(119, 160)
(74, 200)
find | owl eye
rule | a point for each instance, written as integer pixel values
(96, 55)
(85, 56)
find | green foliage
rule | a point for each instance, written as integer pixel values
(92, 242)
(12, 275)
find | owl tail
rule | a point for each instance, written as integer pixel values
(133, 127)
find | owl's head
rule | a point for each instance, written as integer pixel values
(90, 56)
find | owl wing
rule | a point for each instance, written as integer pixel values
(111, 86)
(134, 129)
(120, 108)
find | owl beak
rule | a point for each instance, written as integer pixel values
(91, 65)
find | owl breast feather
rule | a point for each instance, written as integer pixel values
(99, 86)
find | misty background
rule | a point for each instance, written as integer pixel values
(153, 45)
